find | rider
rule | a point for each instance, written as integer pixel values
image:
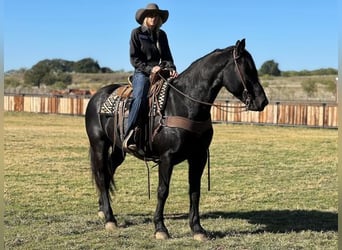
(149, 48)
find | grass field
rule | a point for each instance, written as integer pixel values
(271, 188)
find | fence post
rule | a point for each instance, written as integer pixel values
(323, 114)
(226, 108)
(277, 112)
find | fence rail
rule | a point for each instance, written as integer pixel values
(276, 113)
(282, 113)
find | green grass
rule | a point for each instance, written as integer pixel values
(271, 188)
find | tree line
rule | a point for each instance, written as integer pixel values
(57, 72)
(271, 68)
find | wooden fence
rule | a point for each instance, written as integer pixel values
(282, 113)
(276, 113)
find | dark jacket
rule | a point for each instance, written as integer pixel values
(144, 54)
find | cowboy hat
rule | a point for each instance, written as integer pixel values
(151, 8)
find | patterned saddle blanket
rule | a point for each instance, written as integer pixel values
(117, 106)
(120, 99)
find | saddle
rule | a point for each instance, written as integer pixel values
(117, 105)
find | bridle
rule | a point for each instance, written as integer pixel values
(246, 96)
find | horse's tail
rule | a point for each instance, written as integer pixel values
(102, 160)
(102, 176)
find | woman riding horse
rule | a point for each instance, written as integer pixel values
(189, 99)
(148, 48)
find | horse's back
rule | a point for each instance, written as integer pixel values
(105, 91)
(92, 114)
(100, 96)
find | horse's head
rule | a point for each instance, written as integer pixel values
(240, 77)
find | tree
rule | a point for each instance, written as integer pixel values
(270, 68)
(46, 72)
(36, 74)
(87, 65)
(60, 65)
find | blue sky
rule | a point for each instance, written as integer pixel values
(297, 34)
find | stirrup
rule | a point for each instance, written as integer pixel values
(125, 145)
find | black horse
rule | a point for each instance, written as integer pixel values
(188, 98)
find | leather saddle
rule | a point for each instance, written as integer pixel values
(118, 104)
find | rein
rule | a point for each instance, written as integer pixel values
(245, 93)
(225, 109)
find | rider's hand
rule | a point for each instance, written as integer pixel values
(173, 73)
(155, 69)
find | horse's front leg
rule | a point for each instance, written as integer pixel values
(196, 167)
(165, 172)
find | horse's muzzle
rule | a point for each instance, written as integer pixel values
(258, 104)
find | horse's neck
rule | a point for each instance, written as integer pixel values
(198, 88)
(202, 89)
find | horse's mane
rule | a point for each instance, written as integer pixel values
(207, 56)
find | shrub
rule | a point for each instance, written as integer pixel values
(310, 87)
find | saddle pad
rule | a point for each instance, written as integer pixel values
(123, 94)
(111, 104)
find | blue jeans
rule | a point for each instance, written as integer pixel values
(141, 85)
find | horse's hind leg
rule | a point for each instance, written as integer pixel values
(114, 160)
(103, 168)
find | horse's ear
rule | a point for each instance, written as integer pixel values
(240, 46)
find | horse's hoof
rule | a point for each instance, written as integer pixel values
(110, 226)
(200, 237)
(101, 214)
(162, 236)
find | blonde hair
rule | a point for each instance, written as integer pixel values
(159, 24)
